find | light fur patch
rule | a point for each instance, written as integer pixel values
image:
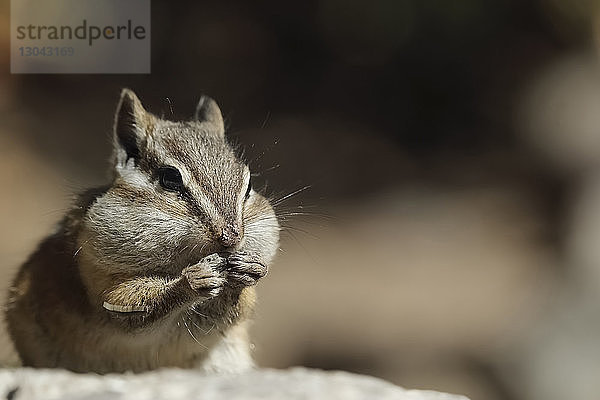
(123, 309)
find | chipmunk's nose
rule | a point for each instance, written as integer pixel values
(230, 236)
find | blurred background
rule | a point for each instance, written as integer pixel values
(452, 149)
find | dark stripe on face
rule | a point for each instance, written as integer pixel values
(193, 205)
(132, 193)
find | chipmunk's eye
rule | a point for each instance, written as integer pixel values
(170, 179)
(248, 189)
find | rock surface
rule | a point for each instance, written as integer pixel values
(173, 384)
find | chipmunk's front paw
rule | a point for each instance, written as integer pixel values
(206, 276)
(244, 269)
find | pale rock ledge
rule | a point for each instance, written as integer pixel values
(174, 384)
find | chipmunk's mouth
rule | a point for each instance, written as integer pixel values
(199, 250)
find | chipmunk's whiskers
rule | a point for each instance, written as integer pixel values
(190, 332)
(287, 196)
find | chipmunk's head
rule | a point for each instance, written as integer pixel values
(179, 193)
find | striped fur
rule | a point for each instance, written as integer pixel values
(131, 281)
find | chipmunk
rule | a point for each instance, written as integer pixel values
(157, 268)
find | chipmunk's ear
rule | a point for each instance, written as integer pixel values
(207, 111)
(131, 123)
